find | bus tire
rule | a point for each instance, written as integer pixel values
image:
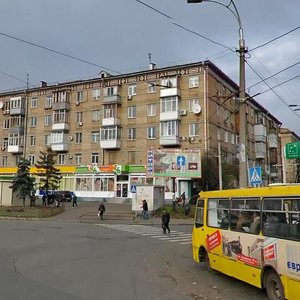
(274, 286)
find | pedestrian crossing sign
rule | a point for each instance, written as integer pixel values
(255, 175)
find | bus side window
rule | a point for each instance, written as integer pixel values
(199, 219)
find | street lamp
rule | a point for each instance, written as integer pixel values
(296, 107)
(242, 50)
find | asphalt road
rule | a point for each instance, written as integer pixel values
(65, 260)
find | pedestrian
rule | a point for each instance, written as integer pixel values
(145, 213)
(101, 210)
(74, 201)
(165, 220)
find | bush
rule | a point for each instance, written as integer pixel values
(179, 212)
(30, 212)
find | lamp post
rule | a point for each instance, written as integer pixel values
(242, 50)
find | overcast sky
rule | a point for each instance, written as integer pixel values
(117, 35)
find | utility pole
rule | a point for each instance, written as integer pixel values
(243, 168)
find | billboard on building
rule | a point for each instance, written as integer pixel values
(173, 163)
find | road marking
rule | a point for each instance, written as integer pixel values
(152, 232)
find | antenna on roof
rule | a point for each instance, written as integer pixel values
(152, 65)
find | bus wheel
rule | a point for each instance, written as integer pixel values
(274, 286)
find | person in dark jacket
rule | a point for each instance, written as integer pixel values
(74, 201)
(145, 213)
(101, 210)
(165, 220)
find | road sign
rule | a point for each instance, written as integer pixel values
(292, 150)
(133, 189)
(255, 175)
(181, 160)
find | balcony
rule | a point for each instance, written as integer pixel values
(168, 92)
(172, 140)
(260, 133)
(111, 121)
(112, 99)
(61, 105)
(17, 130)
(169, 116)
(15, 149)
(273, 141)
(17, 111)
(110, 144)
(60, 126)
(60, 147)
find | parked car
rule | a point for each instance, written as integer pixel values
(64, 196)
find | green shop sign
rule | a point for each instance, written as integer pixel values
(292, 150)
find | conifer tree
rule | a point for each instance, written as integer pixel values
(23, 183)
(50, 176)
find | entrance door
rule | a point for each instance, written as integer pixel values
(122, 190)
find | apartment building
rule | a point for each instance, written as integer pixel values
(108, 131)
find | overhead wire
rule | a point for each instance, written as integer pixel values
(57, 52)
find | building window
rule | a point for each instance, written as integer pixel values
(151, 110)
(79, 116)
(169, 128)
(6, 124)
(31, 159)
(96, 115)
(48, 120)
(151, 133)
(111, 91)
(34, 102)
(78, 137)
(61, 159)
(131, 112)
(4, 160)
(194, 129)
(109, 111)
(131, 157)
(192, 104)
(169, 104)
(96, 94)
(33, 121)
(17, 121)
(48, 102)
(57, 137)
(95, 137)
(110, 133)
(5, 143)
(131, 133)
(111, 157)
(16, 102)
(48, 140)
(193, 81)
(32, 140)
(132, 90)
(169, 82)
(95, 158)
(79, 98)
(78, 159)
(151, 87)
(60, 116)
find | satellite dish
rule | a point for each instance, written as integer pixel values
(196, 108)
(1, 104)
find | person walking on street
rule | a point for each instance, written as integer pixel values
(101, 210)
(145, 213)
(74, 201)
(165, 220)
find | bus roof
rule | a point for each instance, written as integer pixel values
(274, 190)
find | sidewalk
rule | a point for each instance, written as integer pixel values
(118, 213)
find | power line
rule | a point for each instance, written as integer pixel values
(272, 88)
(57, 52)
(274, 39)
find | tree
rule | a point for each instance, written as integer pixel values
(210, 175)
(23, 183)
(50, 176)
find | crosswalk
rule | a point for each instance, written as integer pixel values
(153, 232)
